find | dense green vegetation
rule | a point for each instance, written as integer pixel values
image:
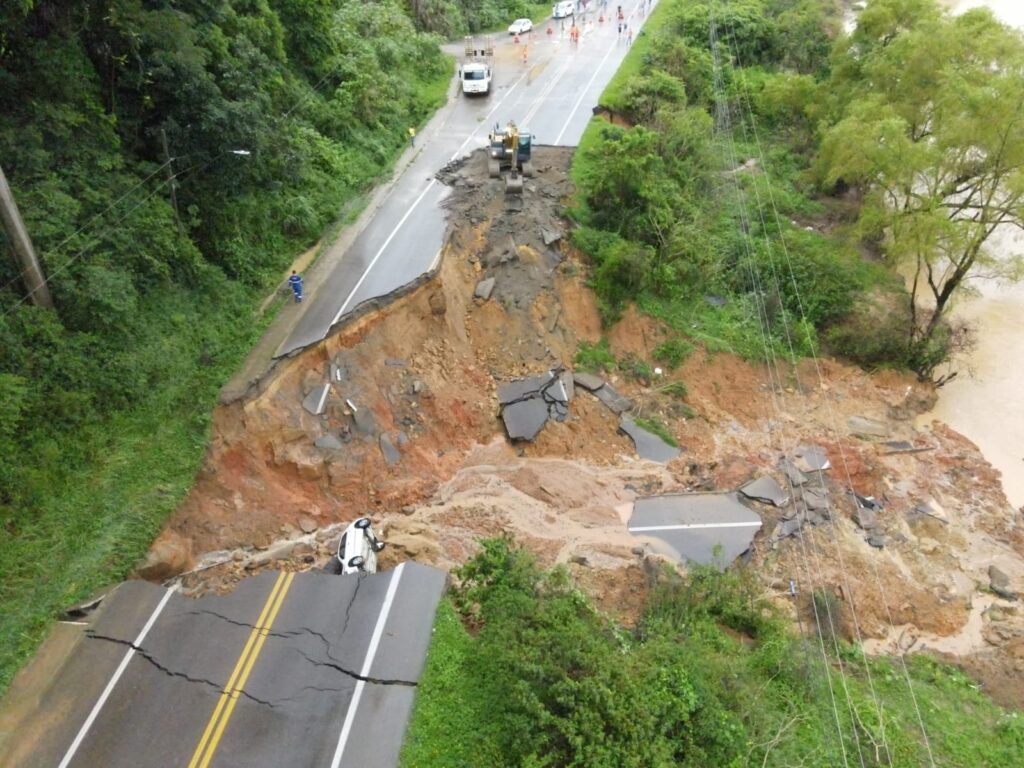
(523, 671)
(105, 401)
(730, 122)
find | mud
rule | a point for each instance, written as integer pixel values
(423, 373)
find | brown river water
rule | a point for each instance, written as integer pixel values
(986, 402)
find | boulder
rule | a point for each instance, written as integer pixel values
(999, 583)
(170, 555)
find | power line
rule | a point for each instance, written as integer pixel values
(744, 91)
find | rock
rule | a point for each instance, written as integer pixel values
(550, 236)
(391, 454)
(999, 583)
(928, 546)
(811, 458)
(307, 524)
(395, 362)
(876, 540)
(816, 500)
(588, 381)
(279, 551)
(328, 442)
(866, 518)
(795, 476)
(438, 303)
(170, 555)
(638, 551)
(484, 289)
(302, 549)
(866, 427)
(580, 560)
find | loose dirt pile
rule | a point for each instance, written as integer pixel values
(409, 434)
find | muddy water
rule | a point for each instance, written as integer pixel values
(987, 406)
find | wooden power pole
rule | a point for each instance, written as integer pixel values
(31, 271)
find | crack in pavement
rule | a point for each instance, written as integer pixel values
(356, 675)
(170, 672)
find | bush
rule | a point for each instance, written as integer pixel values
(595, 357)
(673, 352)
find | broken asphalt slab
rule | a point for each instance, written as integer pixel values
(588, 381)
(648, 445)
(811, 458)
(524, 419)
(704, 528)
(527, 404)
(611, 398)
(316, 400)
(766, 490)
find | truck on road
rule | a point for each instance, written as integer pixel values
(475, 72)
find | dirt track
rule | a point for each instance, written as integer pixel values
(427, 367)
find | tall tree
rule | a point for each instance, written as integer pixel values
(931, 127)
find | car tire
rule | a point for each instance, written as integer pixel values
(362, 523)
(357, 562)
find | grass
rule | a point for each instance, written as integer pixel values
(655, 427)
(94, 522)
(446, 727)
(595, 358)
(709, 645)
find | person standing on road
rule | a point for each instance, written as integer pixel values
(295, 283)
(412, 137)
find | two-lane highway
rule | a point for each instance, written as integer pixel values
(551, 95)
(303, 669)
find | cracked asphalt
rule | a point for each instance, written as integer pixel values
(339, 654)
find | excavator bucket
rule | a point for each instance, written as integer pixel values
(514, 184)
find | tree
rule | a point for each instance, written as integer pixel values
(932, 129)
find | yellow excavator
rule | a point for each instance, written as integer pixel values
(510, 150)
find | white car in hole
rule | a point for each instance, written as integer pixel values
(357, 549)
(520, 26)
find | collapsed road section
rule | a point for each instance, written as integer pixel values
(288, 669)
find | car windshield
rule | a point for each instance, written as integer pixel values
(473, 74)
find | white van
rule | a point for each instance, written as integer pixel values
(476, 78)
(563, 10)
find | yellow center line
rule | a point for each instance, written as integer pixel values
(237, 679)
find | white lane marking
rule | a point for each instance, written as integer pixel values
(371, 651)
(412, 208)
(323, 399)
(692, 525)
(583, 93)
(113, 680)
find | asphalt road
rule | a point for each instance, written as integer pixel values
(304, 669)
(551, 95)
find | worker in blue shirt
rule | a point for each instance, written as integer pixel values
(295, 281)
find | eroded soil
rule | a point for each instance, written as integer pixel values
(422, 375)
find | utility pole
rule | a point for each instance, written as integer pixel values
(170, 181)
(22, 244)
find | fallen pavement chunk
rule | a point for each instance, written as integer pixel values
(767, 490)
(866, 427)
(699, 527)
(567, 383)
(610, 397)
(788, 527)
(316, 400)
(550, 236)
(525, 418)
(484, 289)
(899, 445)
(794, 475)
(391, 453)
(395, 363)
(327, 442)
(648, 445)
(555, 392)
(588, 381)
(811, 458)
(816, 500)
(364, 421)
(523, 388)
(999, 583)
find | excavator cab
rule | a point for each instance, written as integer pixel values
(511, 151)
